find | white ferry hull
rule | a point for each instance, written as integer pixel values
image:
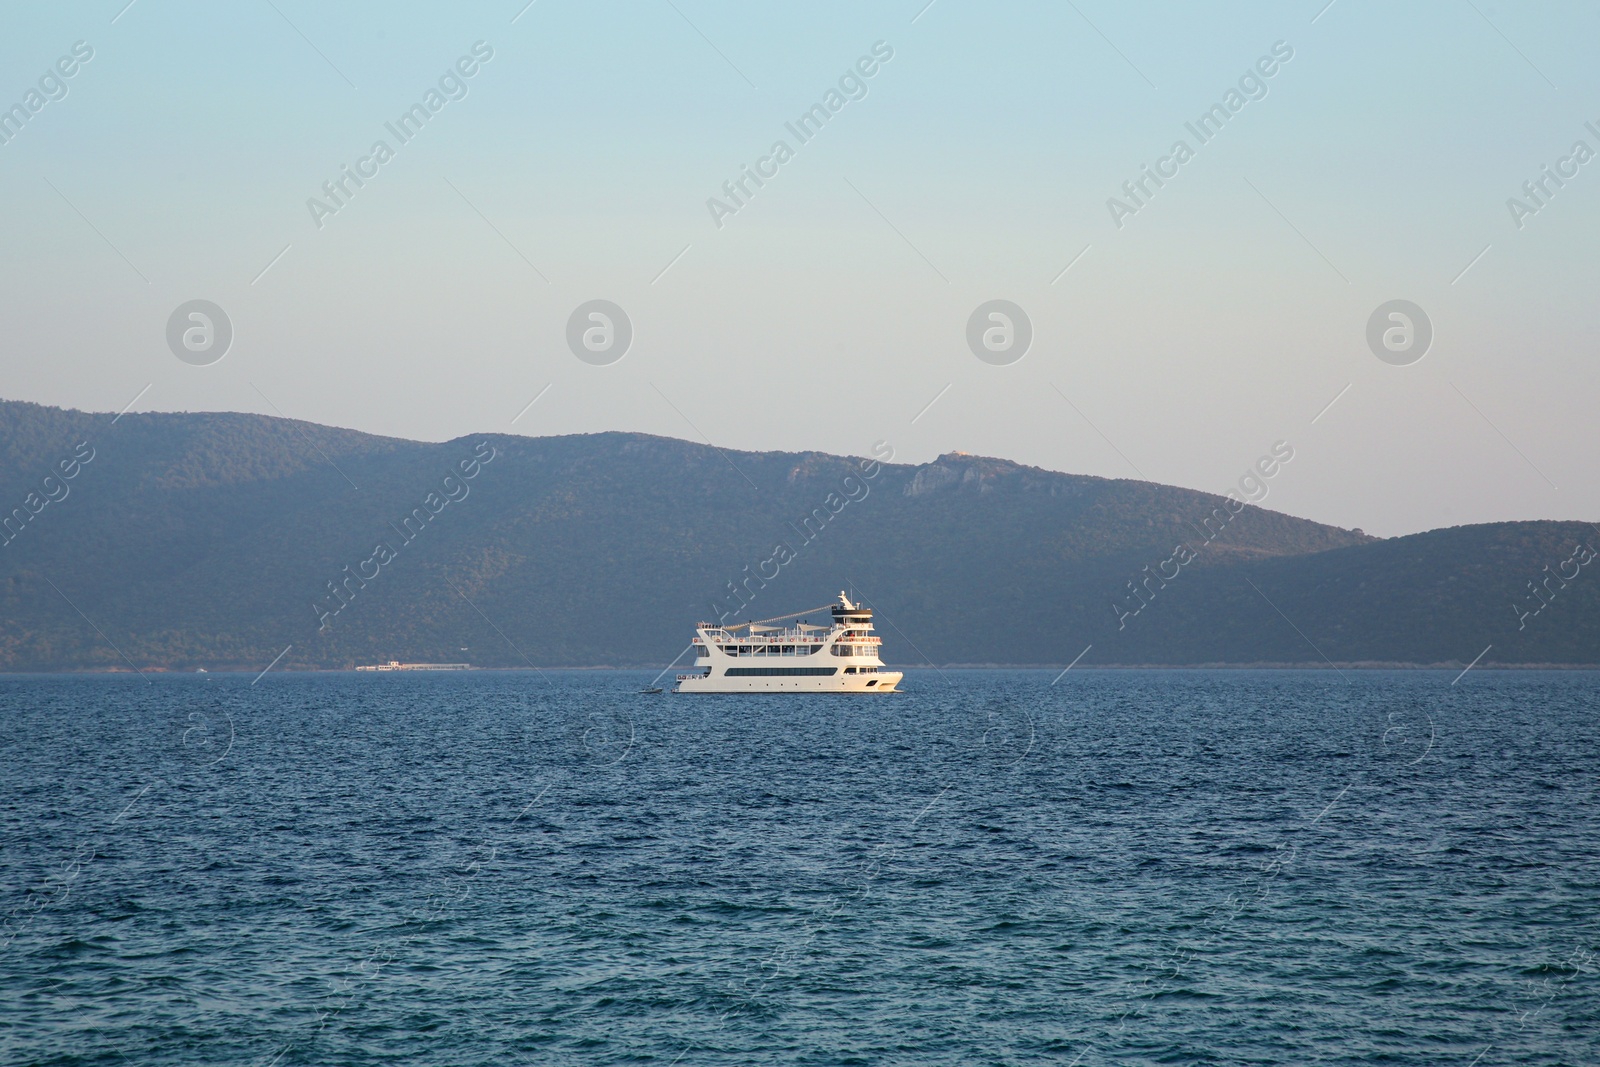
(882, 682)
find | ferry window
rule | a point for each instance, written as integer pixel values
(702, 652)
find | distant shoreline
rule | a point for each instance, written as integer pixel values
(1364, 666)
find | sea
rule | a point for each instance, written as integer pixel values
(991, 867)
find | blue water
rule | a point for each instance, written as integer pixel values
(1121, 868)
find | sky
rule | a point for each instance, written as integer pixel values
(1179, 332)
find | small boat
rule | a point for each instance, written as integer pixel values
(652, 689)
(800, 658)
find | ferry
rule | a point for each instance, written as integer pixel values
(798, 658)
(396, 665)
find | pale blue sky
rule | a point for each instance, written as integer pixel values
(832, 308)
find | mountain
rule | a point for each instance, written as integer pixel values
(220, 540)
